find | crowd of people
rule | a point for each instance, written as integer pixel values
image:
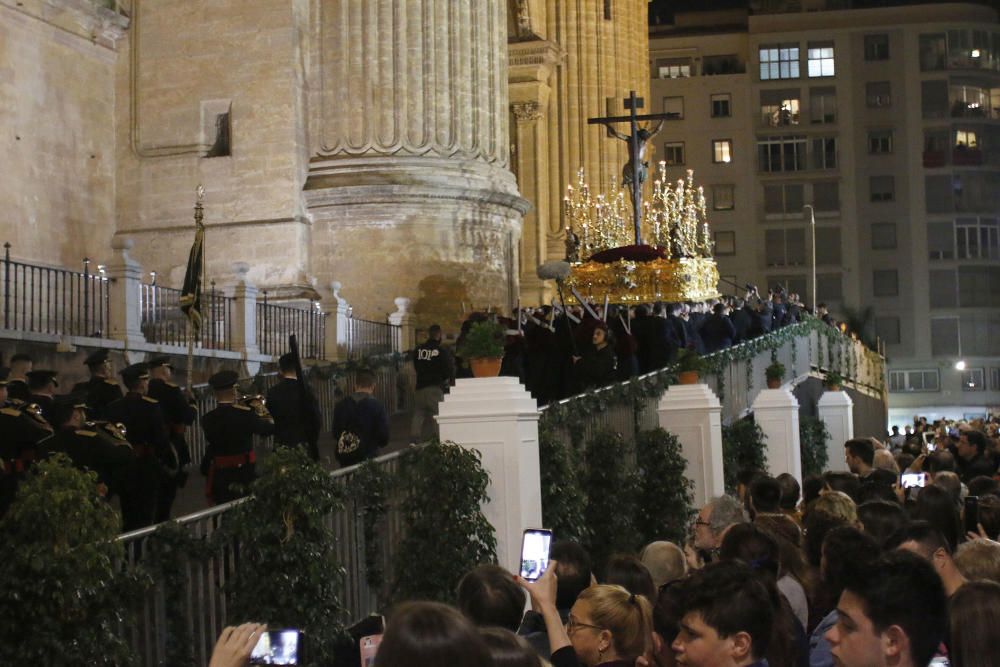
(558, 353)
(848, 569)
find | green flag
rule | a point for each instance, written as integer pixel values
(191, 292)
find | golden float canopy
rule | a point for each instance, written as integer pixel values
(674, 264)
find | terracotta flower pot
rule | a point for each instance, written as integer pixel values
(833, 387)
(688, 377)
(486, 367)
(773, 383)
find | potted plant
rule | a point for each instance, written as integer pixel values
(833, 380)
(689, 366)
(483, 348)
(775, 373)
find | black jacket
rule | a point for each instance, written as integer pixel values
(434, 365)
(100, 392)
(295, 421)
(717, 333)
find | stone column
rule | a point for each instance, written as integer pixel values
(410, 155)
(337, 310)
(694, 414)
(406, 335)
(244, 312)
(498, 418)
(776, 411)
(123, 292)
(836, 409)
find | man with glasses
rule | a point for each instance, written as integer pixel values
(714, 519)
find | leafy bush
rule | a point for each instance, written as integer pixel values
(812, 442)
(611, 508)
(563, 498)
(287, 574)
(369, 489)
(776, 371)
(445, 532)
(833, 379)
(742, 447)
(63, 589)
(688, 360)
(665, 494)
(484, 341)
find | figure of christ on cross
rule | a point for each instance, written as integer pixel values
(634, 171)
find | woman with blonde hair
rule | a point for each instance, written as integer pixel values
(607, 626)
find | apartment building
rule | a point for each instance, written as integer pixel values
(862, 146)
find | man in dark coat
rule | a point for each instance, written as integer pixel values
(718, 332)
(22, 428)
(229, 461)
(179, 413)
(17, 380)
(295, 416)
(360, 423)
(101, 390)
(653, 336)
(42, 387)
(741, 322)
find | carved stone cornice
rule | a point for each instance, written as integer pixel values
(533, 61)
(86, 19)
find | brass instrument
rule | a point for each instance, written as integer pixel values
(257, 403)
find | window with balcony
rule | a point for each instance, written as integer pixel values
(822, 105)
(977, 238)
(782, 154)
(876, 47)
(820, 59)
(826, 196)
(673, 153)
(914, 381)
(941, 240)
(722, 151)
(726, 64)
(723, 197)
(673, 68)
(824, 153)
(933, 52)
(969, 101)
(966, 148)
(879, 142)
(779, 61)
(784, 199)
(878, 94)
(785, 247)
(721, 105)
(887, 328)
(883, 236)
(674, 108)
(882, 188)
(779, 108)
(885, 282)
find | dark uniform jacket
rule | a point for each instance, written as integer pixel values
(433, 364)
(596, 368)
(21, 430)
(291, 425)
(18, 390)
(656, 342)
(100, 392)
(177, 412)
(101, 448)
(44, 403)
(718, 333)
(229, 458)
(144, 425)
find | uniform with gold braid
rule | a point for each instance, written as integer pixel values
(675, 264)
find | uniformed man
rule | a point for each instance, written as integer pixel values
(156, 465)
(22, 428)
(42, 389)
(101, 390)
(179, 413)
(17, 381)
(97, 446)
(229, 428)
(293, 425)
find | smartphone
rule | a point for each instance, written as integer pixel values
(277, 647)
(369, 647)
(972, 514)
(928, 437)
(908, 480)
(535, 544)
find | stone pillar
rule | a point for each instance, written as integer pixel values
(694, 414)
(337, 312)
(498, 418)
(244, 312)
(126, 277)
(410, 154)
(406, 335)
(836, 409)
(776, 411)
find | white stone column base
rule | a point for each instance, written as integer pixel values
(836, 409)
(694, 414)
(776, 411)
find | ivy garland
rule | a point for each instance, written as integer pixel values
(794, 353)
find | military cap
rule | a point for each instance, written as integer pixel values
(20, 356)
(161, 360)
(133, 373)
(63, 407)
(223, 379)
(4, 373)
(96, 358)
(38, 379)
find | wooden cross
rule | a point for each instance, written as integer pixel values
(637, 139)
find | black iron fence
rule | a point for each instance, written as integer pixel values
(276, 321)
(64, 302)
(366, 338)
(164, 323)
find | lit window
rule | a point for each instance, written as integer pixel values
(966, 139)
(722, 151)
(820, 59)
(779, 61)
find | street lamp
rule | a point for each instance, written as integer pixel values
(812, 223)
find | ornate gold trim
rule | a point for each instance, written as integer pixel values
(625, 281)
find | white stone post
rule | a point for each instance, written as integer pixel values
(123, 291)
(337, 310)
(694, 414)
(776, 411)
(836, 409)
(498, 418)
(244, 322)
(406, 334)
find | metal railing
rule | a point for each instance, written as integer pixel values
(205, 580)
(48, 300)
(366, 338)
(275, 322)
(163, 322)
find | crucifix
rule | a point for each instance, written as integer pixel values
(634, 171)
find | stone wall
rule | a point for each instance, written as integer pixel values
(57, 140)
